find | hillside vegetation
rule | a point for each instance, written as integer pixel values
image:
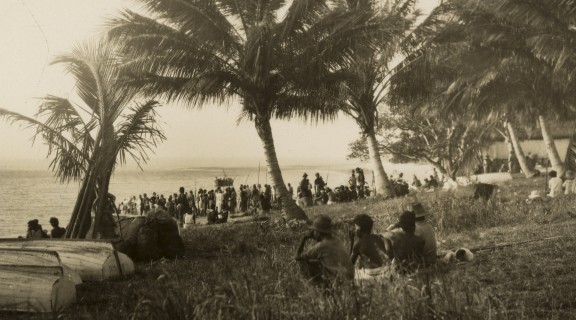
(247, 270)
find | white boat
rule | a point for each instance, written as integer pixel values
(22, 258)
(35, 289)
(92, 260)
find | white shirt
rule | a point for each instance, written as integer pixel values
(568, 186)
(188, 220)
(555, 185)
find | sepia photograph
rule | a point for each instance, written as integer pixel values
(287, 159)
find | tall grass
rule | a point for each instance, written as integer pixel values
(248, 271)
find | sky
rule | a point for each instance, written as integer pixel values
(33, 32)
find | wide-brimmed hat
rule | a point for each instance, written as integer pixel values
(322, 223)
(535, 194)
(418, 209)
(305, 174)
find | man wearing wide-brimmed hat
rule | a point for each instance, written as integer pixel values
(408, 249)
(327, 261)
(424, 230)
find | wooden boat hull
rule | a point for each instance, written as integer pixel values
(35, 289)
(21, 258)
(92, 260)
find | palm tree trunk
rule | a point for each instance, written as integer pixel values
(75, 212)
(382, 186)
(510, 146)
(519, 153)
(81, 220)
(553, 155)
(289, 207)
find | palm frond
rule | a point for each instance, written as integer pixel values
(138, 133)
(201, 18)
(69, 161)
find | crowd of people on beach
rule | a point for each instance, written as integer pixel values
(219, 203)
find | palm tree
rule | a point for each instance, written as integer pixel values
(198, 51)
(87, 140)
(370, 73)
(496, 70)
(540, 35)
(367, 81)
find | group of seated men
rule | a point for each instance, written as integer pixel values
(406, 246)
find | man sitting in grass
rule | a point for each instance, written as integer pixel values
(326, 262)
(407, 248)
(423, 230)
(374, 251)
(554, 185)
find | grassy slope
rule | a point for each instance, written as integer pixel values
(246, 271)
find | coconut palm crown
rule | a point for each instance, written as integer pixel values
(279, 60)
(87, 140)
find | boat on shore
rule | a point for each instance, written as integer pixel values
(35, 289)
(16, 258)
(92, 260)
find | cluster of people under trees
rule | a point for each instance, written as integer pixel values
(320, 194)
(557, 186)
(407, 246)
(432, 182)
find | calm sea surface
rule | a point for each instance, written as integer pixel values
(27, 195)
(30, 195)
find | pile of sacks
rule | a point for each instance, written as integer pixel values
(152, 237)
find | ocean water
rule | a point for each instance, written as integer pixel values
(28, 195)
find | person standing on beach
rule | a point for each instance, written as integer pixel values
(318, 184)
(219, 199)
(255, 199)
(141, 205)
(233, 200)
(182, 205)
(304, 184)
(146, 202)
(290, 190)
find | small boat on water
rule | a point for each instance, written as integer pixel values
(92, 260)
(15, 258)
(223, 182)
(35, 289)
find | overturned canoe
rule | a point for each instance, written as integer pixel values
(35, 289)
(92, 260)
(21, 258)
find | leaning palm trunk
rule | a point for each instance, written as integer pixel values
(81, 219)
(519, 153)
(381, 178)
(551, 150)
(289, 207)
